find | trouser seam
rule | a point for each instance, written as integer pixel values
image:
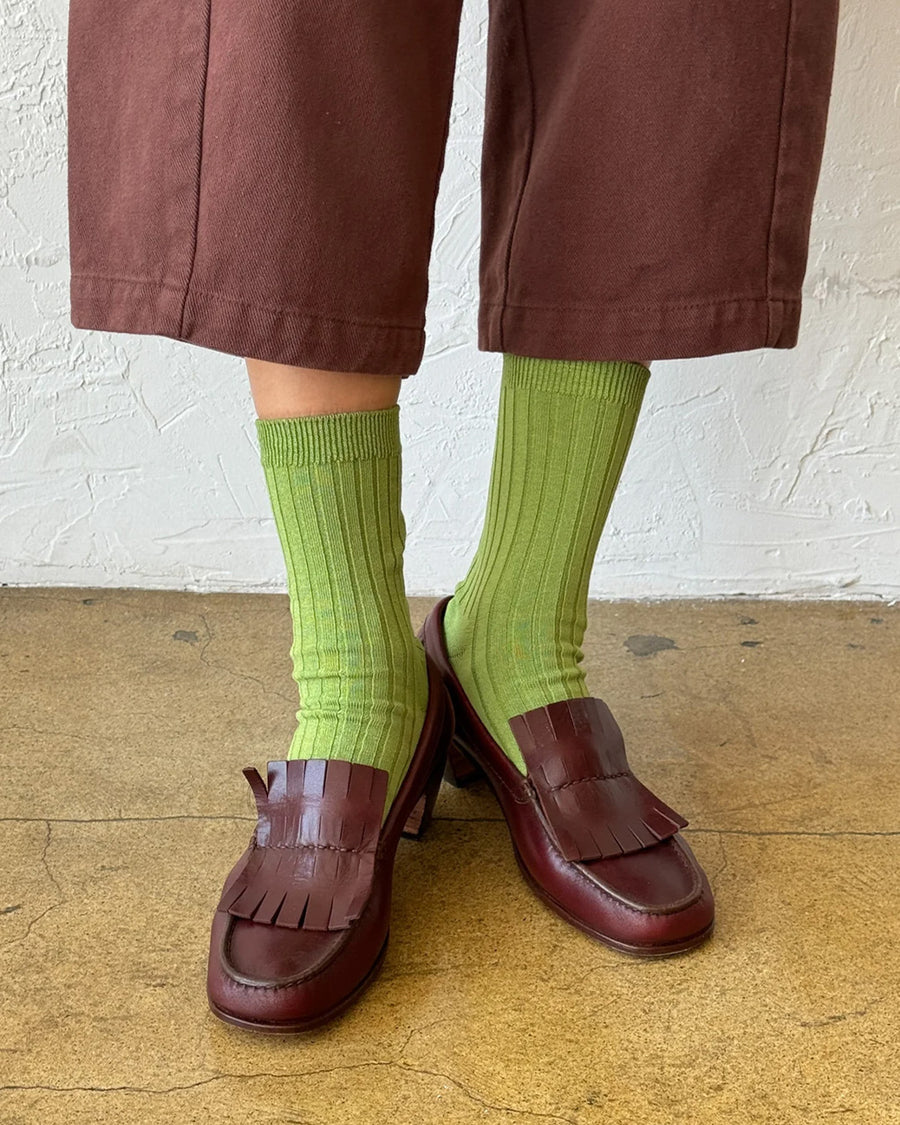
(776, 181)
(616, 306)
(528, 158)
(443, 149)
(288, 310)
(199, 168)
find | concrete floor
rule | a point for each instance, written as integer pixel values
(125, 718)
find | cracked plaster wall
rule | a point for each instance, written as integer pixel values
(131, 461)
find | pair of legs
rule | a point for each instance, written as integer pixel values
(261, 179)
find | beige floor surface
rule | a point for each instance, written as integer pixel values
(125, 718)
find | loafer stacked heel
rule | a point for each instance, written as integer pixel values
(593, 843)
(301, 927)
(461, 769)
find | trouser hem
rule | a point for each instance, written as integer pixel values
(662, 331)
(243, 328)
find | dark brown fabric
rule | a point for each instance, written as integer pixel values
(260, 179)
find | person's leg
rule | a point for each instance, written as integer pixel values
(647, 182)
(330, 448)
(260, 179)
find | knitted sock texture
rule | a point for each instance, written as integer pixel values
(516, 622)
(334, 481)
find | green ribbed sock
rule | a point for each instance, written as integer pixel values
(334, 482)
(515, 624)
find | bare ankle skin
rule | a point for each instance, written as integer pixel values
(282, 391)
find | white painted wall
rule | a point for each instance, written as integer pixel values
(131, 460)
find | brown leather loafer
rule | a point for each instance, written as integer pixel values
(302, 923)
(592, 842)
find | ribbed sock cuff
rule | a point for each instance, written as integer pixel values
(358, 435)
(615, 380)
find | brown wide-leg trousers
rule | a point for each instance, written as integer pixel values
(259, 176)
